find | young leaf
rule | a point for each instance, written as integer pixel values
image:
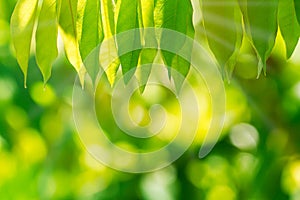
(180, 64)
(128, 20)
(288, 24)
(46, 38)
(223, 26)
(108, 22)
(176, 15)
(92, 35)
(262, 22)
(92, 32)
(80, 11)
(67, 22)
(147, 56)
(22, 23)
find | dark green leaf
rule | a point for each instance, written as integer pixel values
(288, 24)
(262, 25)
(297, 8)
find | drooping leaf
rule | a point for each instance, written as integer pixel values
(176, 15)
(46, 38)
(80, 12)
(92, 31)
(109, 51)
(92, 35)
(108, 12)
(147, 56)
(243, 7)
(128, 20)
(22, 23)
(262, 25)
(297, 8)
(288, 24)
(223, 26)
(68, 30)
(180, 64)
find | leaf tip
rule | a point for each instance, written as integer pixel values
(25, 81)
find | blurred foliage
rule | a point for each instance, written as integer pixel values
(258, 156)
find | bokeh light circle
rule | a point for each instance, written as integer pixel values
(92, 134)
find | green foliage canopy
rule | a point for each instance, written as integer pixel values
(83, 24)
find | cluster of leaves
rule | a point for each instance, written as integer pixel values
(227, 22)
(83, 24)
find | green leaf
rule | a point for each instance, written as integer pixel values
(297, 8)
(108, 22)
(243, 7)
(46, 38)
(128, 20)
(68, 30)
(147, 56)
(92, 35)
(92, 31)
(262, 25)
(4, 9)
(223, 27)
(176, 15)
(80, 11)
(22, 23)
(288, 24)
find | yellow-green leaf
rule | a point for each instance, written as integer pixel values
(108, 22)
(22, 23)
(68, 30)
(147, 56)
(223, 26)
(176, 15)
(80, 12)
(46, 38)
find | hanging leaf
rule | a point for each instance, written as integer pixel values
(176, 15)
(262, 25)
(46, 38)
(109, 51)
(92, 35)
(92, 31)
(80, 12)
(297, 8)
(22, 23)
(147, 56)
(223, 26)
(67, 22)
(180, 64)
(288, 24)
(128, 20)
(243, 7)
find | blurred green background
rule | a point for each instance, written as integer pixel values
(257, 157)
